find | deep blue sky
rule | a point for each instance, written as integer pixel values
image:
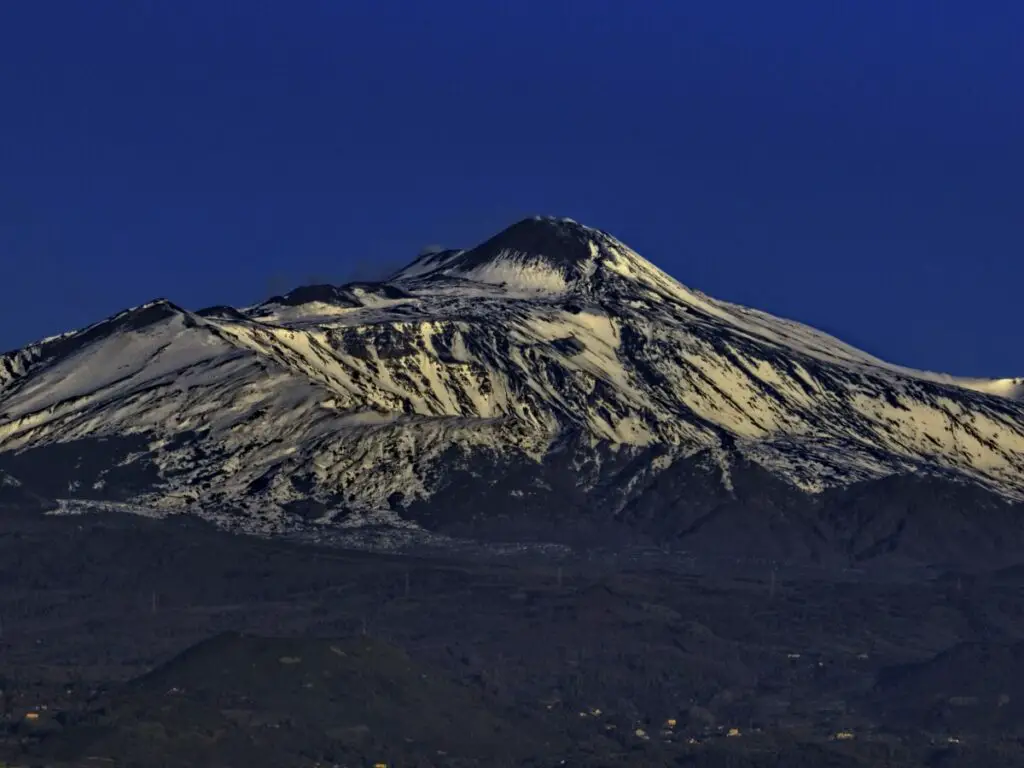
(856, 165)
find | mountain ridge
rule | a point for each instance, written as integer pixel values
(338, 400)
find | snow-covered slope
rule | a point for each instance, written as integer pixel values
(347, 403)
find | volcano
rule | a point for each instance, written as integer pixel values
(548, 383)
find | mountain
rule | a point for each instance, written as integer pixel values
(548, 383)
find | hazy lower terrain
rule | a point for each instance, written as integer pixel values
(118, 633)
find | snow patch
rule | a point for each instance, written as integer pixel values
(519, 272)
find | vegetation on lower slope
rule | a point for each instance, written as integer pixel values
(585, 660)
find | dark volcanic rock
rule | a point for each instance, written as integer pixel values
(92, 468)
(741, 511)
(14, 495)
(328, 294)
(561, 244)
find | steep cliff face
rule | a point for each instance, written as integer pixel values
(550, 363)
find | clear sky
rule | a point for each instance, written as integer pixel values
(856, 165)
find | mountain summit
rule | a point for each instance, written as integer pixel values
(544, 254)
(540, 253)
(550, 368)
